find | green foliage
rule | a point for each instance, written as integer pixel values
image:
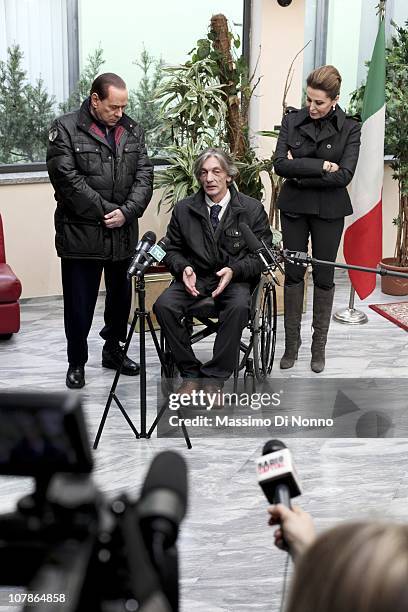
(177, 180)
(192, 101)
(194, 105)
(92, 68)
(25, 112)
(249, 179)
(269, 133)
(38, 120)
(396, 127)
(145, 108)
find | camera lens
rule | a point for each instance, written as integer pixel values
(284, 2)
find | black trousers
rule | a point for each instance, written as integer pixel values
(233, 307)
(325, 235)
(80, 282)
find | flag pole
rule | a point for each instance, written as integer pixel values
(350, 315)
(367, 219)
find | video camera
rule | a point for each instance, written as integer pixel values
(67, 545)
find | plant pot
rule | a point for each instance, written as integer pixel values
(392, 285)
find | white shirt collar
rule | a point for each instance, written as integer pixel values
(223, 203)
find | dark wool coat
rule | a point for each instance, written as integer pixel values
(308, 188)
(194, 243)
(90, 181)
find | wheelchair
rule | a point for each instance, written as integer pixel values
(256, 354)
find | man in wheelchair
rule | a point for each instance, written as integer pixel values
(209, 258)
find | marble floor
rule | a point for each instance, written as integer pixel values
(228, 562)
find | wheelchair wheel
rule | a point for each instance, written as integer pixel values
(264, 328)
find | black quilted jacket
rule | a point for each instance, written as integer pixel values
(90, 181)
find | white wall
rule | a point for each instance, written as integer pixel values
(277, 34)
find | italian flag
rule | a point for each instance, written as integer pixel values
(362, 244)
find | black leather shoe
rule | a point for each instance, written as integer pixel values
(112, 357)
(75, 377)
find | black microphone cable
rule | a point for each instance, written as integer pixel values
(285, 583)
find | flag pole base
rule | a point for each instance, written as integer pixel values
(350, 316)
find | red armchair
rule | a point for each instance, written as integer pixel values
(10, 291)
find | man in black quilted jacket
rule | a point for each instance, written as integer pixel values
(208, 257)
(102, 177)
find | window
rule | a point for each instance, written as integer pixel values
(60, 39)
(343, 34)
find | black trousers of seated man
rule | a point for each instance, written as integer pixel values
(80, 282)
(233, 307)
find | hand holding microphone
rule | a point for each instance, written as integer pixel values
(279, 481)
(296, 528)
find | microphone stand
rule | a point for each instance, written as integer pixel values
(303, 259)
(143, 316)
(299, 258)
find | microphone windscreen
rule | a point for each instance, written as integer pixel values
(164, 242)
(252, 241)
(167, 471)
(272, 446)
(149, 237)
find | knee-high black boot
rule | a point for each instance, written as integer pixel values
(293, 302)
(322, 309)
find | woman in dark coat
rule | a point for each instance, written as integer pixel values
(317, 152)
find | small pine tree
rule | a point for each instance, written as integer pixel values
(25, 112)
(88, 75)
(144, 108)
(39, 118)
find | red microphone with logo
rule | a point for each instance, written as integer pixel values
(276, 473)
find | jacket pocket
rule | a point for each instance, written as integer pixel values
(295, 142)
(130, 157)
(88, 158)
(83, 239)
(233, 241)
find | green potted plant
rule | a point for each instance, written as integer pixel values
(396, 144)
(205, 102)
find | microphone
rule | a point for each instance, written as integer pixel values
(254, 245)
(144, 244)
(161, 509)
(163, 502)
(260, 247)
(156, 253)
(277, 475)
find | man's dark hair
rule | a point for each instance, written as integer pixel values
(102, 83)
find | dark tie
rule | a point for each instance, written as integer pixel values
(214, 211)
